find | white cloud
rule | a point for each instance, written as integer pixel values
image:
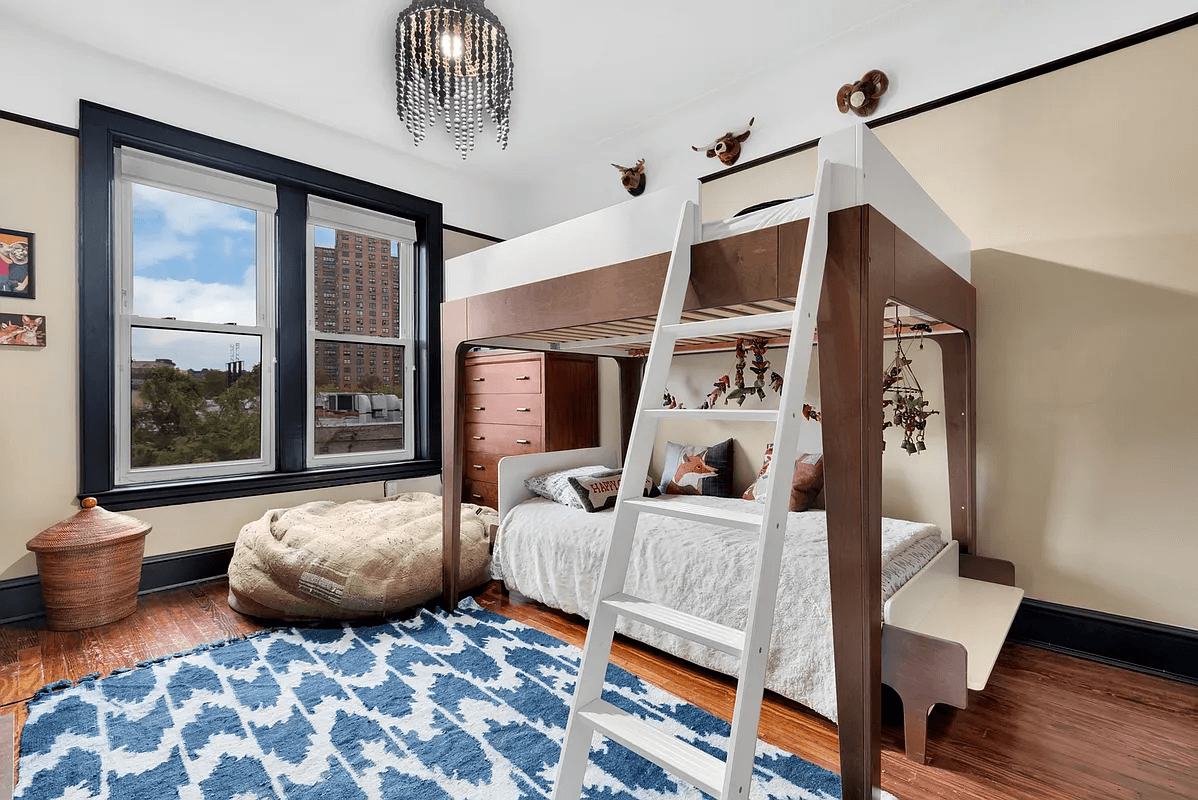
(184, 218)
(200, 302)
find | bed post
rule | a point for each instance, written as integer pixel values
(958, 352)
(632, 371)
(453, 337)
(858, 280)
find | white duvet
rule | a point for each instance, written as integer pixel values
(553, 554)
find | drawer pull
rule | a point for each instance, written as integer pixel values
(479, 380)
(524, 409)
(479, 466)
(480, 408)
(478, 438)
(523, 441)
(522, 377)
(477, 496)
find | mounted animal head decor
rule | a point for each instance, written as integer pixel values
(862, 97)
(727, 147)
(633, 178)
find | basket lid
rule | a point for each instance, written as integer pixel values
(90, 527)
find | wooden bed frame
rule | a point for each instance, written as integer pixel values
(887, 242)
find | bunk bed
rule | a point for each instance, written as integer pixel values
(595, 287)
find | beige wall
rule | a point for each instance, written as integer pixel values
(39, 431)
(1079, 192)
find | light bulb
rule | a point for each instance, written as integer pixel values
(451, 45)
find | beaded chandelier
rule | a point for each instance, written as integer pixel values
(452, 58)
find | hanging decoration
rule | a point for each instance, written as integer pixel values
(902, 392)
(723, 383)
(452, 59)
(900, 388)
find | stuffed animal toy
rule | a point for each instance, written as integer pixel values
(862, 97)
(727, 147)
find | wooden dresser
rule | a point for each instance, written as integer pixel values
(519, 403)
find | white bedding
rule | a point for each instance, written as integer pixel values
(799, 208)
(553, 554)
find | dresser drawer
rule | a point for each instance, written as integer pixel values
(504, 377)
(481, 493)
(508, 440)
(478, 466)
(507, 409)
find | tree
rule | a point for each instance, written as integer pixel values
(179, 424)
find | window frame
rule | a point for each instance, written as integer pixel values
(102, 129)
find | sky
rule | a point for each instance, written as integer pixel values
(193, 259)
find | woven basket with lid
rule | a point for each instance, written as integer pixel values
(90, 567)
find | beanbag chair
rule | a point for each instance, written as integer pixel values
(367, 558)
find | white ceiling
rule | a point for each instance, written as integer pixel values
(599, 81)
(585, 72)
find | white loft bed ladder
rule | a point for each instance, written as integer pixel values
(589, 713)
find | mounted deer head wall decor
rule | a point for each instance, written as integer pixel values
(862, 97)
(633, 178)
(727, 147)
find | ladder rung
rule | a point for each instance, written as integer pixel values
(696, 767)
(697, 513)
(732, 414)
(679, 623)
(730, 325)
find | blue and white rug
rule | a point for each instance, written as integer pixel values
(437, 707)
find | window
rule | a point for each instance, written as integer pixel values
(194, 325)
(198, 363)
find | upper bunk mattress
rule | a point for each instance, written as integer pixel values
(553, 554)
(798, 208)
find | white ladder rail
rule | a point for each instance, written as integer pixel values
(597, 651)
(746, 714)
(728, 780)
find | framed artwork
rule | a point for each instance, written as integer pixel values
(22, 330)
(16, 264)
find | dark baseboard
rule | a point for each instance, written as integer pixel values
(21, 598)
(1136, 644)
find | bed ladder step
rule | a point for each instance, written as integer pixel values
(725, 326)
(693, 512)
(688, 626)
(728, 414)
(685, 761)
(589, 712)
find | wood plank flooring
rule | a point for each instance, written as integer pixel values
(1047, 726)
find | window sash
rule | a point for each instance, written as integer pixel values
(408, 451)
(339, 216)
(134, 167)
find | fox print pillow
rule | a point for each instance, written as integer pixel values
(696, 469)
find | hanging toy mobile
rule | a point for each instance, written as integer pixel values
(902, 392)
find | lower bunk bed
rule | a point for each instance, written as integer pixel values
(553, 554)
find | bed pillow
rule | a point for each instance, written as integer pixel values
(806, 484)
(555, 486)
(695, 469)
(597, 492)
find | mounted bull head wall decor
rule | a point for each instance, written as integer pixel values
(633, 178)
(862, 97)
(727, 147)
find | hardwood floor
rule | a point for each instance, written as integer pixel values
(1047, 726)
